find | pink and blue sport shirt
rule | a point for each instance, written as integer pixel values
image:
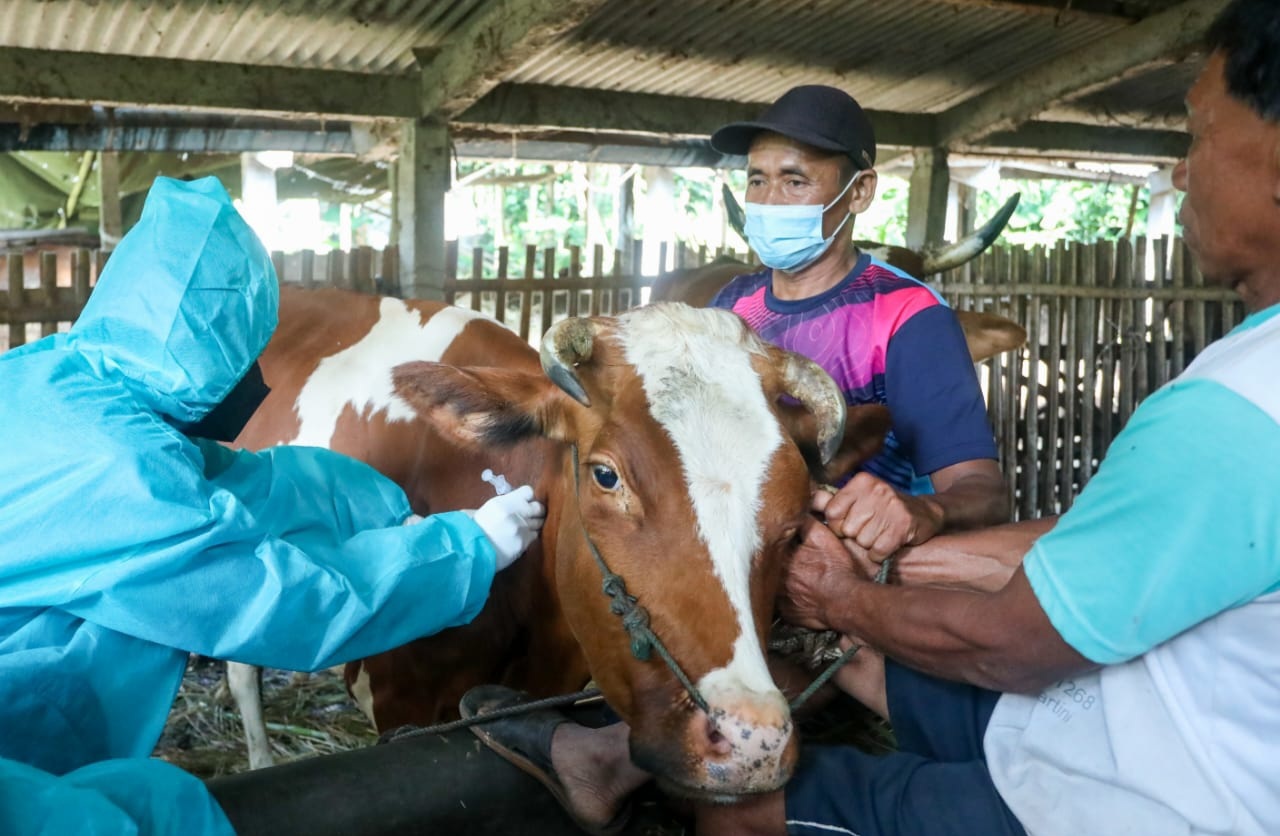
(885, 338)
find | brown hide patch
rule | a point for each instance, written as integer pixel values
(313, 325)
(520, 637)
(483, 406)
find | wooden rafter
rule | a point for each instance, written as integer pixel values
(1122, 9)
(530, 106)
(1159, 38)
(50, 76)
(495, 40)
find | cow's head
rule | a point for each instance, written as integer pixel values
(696, 445)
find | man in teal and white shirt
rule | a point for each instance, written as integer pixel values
(1114, 671)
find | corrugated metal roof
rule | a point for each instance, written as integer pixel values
(906, 55)
(357, 35)
(912, 56)
(1160, 92)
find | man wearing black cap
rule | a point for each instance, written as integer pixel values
(882, 335)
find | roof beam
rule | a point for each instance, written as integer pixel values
(618, 149)
(1066, 140)
(1155, 39)
(1114, 9)
(494, 41)
(533, 106)
(38, 75)
(193, 138)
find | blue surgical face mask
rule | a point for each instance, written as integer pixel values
(789, 237)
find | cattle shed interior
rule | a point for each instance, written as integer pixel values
(618, 81)
(401, 90)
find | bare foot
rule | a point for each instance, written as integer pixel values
(594, 767)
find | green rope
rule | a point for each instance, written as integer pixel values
(405, 732)
(635, 618)
(882, 576)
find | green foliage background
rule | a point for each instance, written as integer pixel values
(551, 213)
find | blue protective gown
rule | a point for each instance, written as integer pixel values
(125, 545)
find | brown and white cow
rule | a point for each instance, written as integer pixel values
(695, 468)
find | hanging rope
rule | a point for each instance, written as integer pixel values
(635, 618)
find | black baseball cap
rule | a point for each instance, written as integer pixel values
(815, 114)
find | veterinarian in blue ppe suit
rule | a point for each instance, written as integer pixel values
(126, 543)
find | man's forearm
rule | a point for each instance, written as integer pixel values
(1002, 641)
(981, 560)
(973, 502)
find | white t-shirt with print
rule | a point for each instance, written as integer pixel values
(1167, 572)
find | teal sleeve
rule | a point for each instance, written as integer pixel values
(1179, 524)
(144, 797)
(251, 568)
(291, 488)
(302, 603)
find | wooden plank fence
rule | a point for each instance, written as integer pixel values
(1108, 323)
(550, 284)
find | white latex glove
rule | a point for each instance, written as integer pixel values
(511, 522)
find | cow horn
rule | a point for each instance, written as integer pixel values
(949, 256)
(733, 210)
(809, 383)
(566, 344)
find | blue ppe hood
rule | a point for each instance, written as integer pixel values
(208, 309)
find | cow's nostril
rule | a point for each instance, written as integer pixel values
(717, 743)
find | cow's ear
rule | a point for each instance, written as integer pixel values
(865, 428)
(482, 406)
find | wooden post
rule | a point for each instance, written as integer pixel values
(526, 298)
(110, 225)
(49, 291)
(575, 275)
(927, 200)
(423, 176)
(1030, 480)
(307, 268)
(1087, 335)
(500, 310)
(17, 300)
(597, 279)
(477, 276)
(334, 274)
(1071, 387)
(548, 288)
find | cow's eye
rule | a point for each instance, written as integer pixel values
(605, 476)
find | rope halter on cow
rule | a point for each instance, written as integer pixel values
(635, 618)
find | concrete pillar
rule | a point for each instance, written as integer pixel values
(1162, 212)
(259, 204)
(927, 200)
(658, 217)
(110, 224)
(626, 213)
(424, 175)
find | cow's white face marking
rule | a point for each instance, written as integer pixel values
(696, 370)
(360, 375)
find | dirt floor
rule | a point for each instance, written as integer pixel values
(306, 715)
